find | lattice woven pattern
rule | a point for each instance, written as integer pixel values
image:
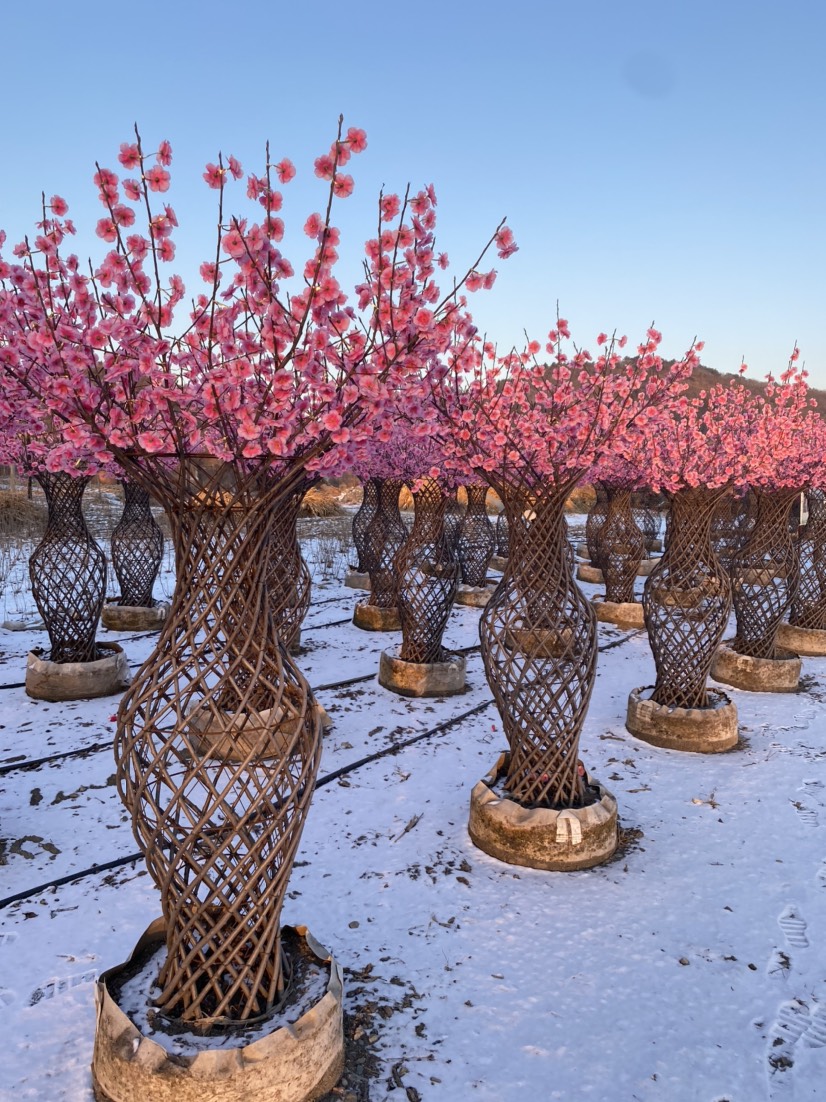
(596, 518)
(502, 535)
(732, 524)
(68, 572)
(809, 602)
(646, 516)
(539, 647)
(476, 537)
(454, 514)
(428, 578)
(217, 749)
(289, 581)
(361, 521)
(137, 549)
(687, 601)
(764, 575)
(620, 545)
(386, 534)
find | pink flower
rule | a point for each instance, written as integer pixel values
(325, 167)
(151, 441)
(442, 261)
(622, 341)
(59, 206)
(357, 139)
(343, 186)
(234, 168)
(214, 176)
(164, 154)
(123, 216)
(157, 179)
(106, 229)
(314, 225)
(285, 170)
(390, 207)
(601, 339)
(331, 421)
(132, 190)
(130, 155)
(166, 249)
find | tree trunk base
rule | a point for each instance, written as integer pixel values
(696, 730)
(625, 614)
(372, 618)
(757, 675)
(810, 642)
(134, 617)
(422, 678)
(55, 681)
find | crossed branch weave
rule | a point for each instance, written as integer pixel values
(428, 578)
(646, 516)
(454, 514)
(731, 525)
(476, 537)
(539, 647)
(68, 572)
(385, 537)
(289, 581)
(361, 521)
(217, 749)
(764, 575)
(620, 545)
(809, 603)
(502, 535)
(595, 520)
(687, 601)
(137, 549)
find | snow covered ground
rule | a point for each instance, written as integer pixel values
(691, 967)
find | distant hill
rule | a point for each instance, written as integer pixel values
(705, 377)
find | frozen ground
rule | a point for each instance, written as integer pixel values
(692, 967)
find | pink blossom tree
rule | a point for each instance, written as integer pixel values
(221, 414)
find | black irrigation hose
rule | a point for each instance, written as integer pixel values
(130, 858)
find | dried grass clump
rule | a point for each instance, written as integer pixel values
(19, 516)
(322, 501)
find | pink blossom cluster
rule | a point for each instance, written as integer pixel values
(272, 367)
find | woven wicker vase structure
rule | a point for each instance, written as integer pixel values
(361, 521)
(539, 648)
(620, 545)
(809, 602)
(454, 512)
(386, 535)
(595, 520)
(68, 572)
(687, 601)
(137, 549)
(732, 524)
(477, 539)
(646, 516)
(217, 749)
(428, 576)
(288, 577)
(764, 576)
(502, 534)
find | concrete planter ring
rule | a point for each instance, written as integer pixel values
(134, 617)
(372, 618)
(625, 614)
(587, 573)
(498, 562)
(757, 675)
(810, 642)
(422, 678)
(475, 596)
(696, 730)
(541, 838)
(354, 579)
(281, 1060)
(107, 675)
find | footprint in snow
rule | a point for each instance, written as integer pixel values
(792, 1022)
(815, 1035)
(807, 815)
(6, 998)
(7, 937)
(794, 928)
(60, 986)
(820, 875)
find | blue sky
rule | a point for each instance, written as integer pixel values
(657, 161)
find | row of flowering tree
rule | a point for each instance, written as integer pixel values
(222, 412)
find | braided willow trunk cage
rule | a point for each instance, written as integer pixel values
(620, 545)
(217, 750)
(361, 521)
(428, 578)
(731, 526)
(687, 601)
(595, 520)
(385, 537)
(288, 578)
(646, 516)
(454, 514)
(68, 572)
(809, 602)
(764, 576)
(476, 537)
(137, 549)
(502, 535)
(539, 648)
